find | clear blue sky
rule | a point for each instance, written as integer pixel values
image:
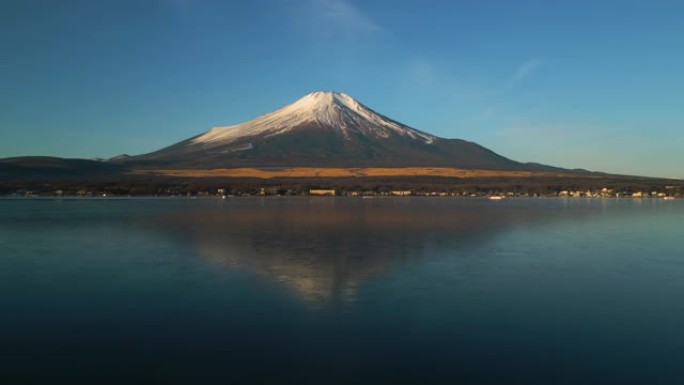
(591, 84)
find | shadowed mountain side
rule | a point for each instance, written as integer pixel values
(318, 146)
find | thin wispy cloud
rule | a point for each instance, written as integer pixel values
(549, 132)
(344, 17)
(527, 68)
(422, 73)
(489, 112)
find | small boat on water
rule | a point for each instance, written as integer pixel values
(496, 198)
(668, 198)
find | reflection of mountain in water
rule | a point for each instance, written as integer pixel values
(325, 248)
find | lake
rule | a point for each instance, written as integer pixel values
(342, 291)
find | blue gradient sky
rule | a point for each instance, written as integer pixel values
(591, 84)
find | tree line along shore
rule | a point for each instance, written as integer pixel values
(355, 187)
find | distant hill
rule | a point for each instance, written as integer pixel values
(45, 167)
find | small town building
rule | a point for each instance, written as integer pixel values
(322, 192)
(401, 193)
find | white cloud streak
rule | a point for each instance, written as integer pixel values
(525, 69)
(344, 17)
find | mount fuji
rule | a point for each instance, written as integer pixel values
(322, 129)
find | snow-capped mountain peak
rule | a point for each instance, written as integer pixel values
(322, 109)
(322, 129)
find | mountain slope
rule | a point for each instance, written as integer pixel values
(322, 129)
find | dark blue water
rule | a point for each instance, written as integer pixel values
(342, 291)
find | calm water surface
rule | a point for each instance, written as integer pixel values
(349, 291)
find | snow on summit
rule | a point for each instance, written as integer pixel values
(317, 109)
